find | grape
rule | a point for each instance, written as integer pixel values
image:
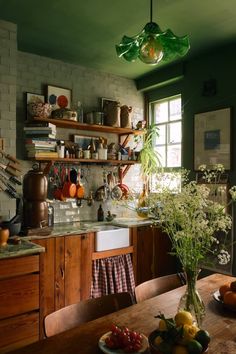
(124, 338)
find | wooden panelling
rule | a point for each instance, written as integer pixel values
(12, 267)
(19, 295)
(59, 272)
(47, 276)
(87, 246)
(72, 269)
(19, 331)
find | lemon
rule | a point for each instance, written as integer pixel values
(183, 317)
(179, 349)
(189, 332)
(158, 340)
(162, 325)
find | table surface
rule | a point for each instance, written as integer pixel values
(220, 323)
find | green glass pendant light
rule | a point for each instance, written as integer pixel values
(152, 45)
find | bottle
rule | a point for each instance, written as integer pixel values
(79, 112)
(142, 202)
(100, 213)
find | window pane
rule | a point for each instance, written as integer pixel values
(175, 109)
(161, 112)
(162, 135)
(174, 156)
(175, 132)
(161, 154)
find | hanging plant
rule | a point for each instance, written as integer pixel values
(148, 157)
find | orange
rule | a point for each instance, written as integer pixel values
(233, 286)
(223, 289)
(230, 298)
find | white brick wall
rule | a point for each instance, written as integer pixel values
(8, 62)
(33, 74)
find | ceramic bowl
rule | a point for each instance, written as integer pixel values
(153, 347)
(38, 109)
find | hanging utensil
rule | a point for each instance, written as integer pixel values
(10, 178)
(9, 157)
(80, 191)
(7, 190)
(10, 170)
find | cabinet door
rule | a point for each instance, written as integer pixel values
(164, 262)
(72, 269)
(47, 276)
(143, 253)
(87, 248)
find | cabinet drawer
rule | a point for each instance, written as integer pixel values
(19, 295)
(18, 266)
(18, 331)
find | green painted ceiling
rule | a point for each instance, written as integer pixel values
(85, 32)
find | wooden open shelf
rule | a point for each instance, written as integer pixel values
(70, 124)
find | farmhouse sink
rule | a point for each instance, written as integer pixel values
(110, 237)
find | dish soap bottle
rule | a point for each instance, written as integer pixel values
(100, 213)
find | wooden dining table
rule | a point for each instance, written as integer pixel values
(218, 321)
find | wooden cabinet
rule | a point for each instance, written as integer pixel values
(66, 272)
(19, 302)
(150, 257)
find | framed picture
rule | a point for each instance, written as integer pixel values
(105, 101)
(31, 97)
(58, 97)
(84, 141)
(34, 97)
(212, 139)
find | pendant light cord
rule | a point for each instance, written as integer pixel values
(150, 10)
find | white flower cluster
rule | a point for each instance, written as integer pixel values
(195, 223)
(223, 257)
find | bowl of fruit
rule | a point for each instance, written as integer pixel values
(226, 295)
(178, 335)
(123, 340)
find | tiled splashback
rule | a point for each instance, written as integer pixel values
(68, 211)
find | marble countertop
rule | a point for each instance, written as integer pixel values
(24, 248)
(82, 227)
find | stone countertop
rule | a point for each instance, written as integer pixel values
(23, 248)
(82, 227)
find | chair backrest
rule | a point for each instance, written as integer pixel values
(87, 310)
(157, 286)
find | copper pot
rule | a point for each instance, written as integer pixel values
(35, 185)
(35, 213)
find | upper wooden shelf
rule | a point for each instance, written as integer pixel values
(70, 124)
(87, 161)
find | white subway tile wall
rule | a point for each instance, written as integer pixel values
(22, 72)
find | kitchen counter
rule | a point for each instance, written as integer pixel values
(24, 248)
(82, 227)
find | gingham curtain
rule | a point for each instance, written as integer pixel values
(112, 275)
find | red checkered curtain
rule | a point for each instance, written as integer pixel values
(112, 275)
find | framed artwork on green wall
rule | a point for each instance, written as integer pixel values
(212, 139)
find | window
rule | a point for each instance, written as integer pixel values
(167, 115)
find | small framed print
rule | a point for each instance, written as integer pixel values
(58, 97)
(34, 98)
(105, 101)
(31, 97)
(212, 139)
(84, 141)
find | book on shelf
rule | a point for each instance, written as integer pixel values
(40, 124)
(40, 148)
(39, 140)
(43, 129)
(45, 144)
(41, 134)
(52, 154)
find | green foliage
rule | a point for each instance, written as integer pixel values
(149, 158)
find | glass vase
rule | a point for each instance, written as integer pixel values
(191, 300)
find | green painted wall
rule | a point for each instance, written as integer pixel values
(219, 65)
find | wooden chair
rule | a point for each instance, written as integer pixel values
(157, 286)
(87, 310)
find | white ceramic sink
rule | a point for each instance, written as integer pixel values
(110, 237)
